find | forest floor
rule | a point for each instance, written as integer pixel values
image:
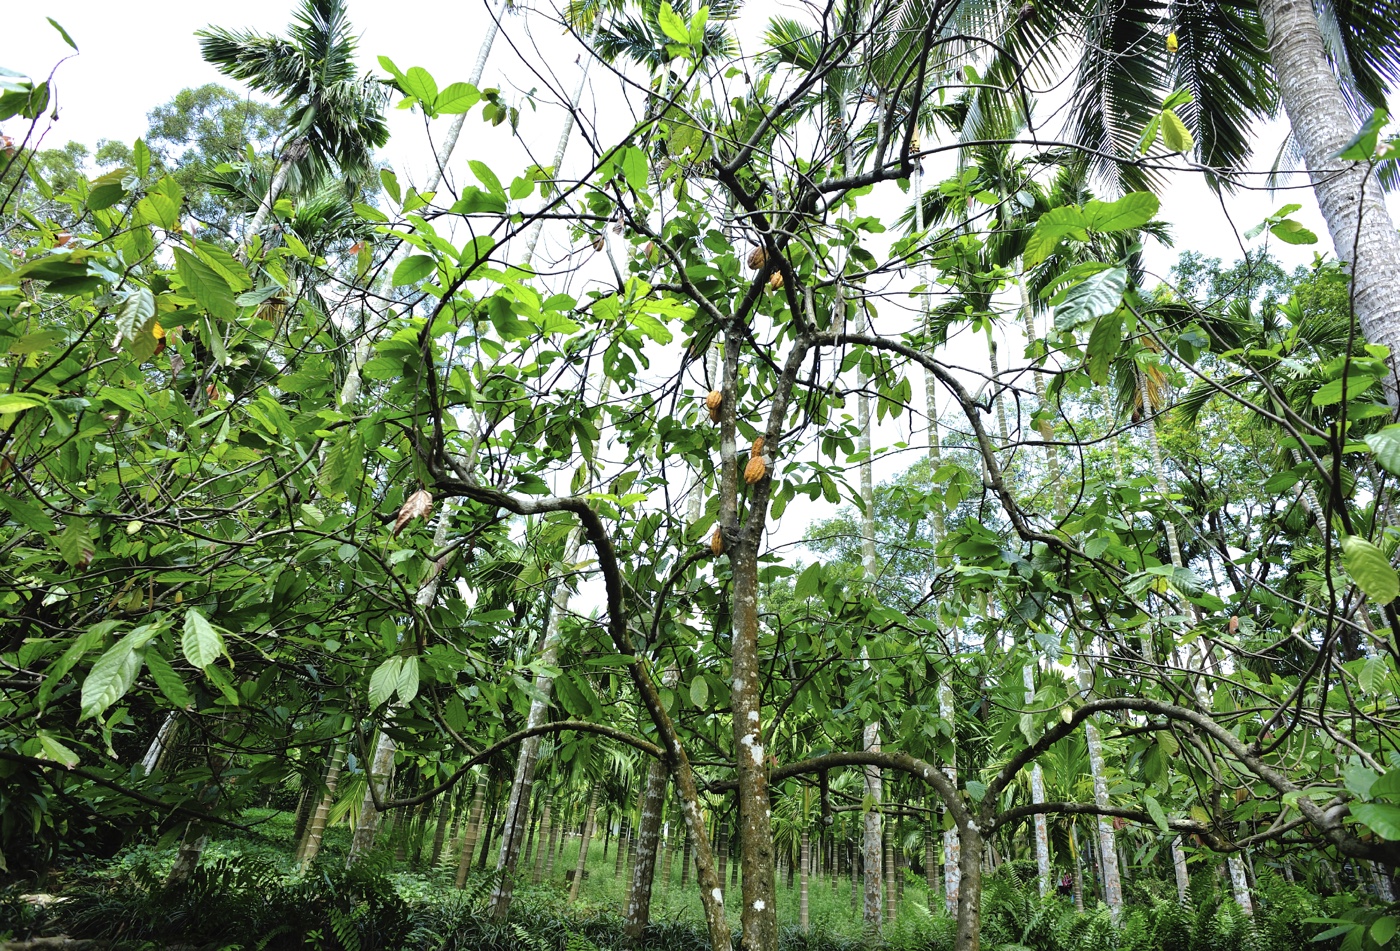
(247, 894)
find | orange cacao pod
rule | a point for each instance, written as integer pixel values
(713, 402)
(776, 281)
(755, 470)
(717, 542)
(757, 449)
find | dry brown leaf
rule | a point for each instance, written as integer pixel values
(417, 505)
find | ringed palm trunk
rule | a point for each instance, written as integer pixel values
(311, 845)
(1112, 880)
(542, 847)
(293, 153)
(804, 870)
(464, 865)
(872, 845)
(1350, 199)
(582, 866)
(951, 846)
(518, 805)
(1238, 879)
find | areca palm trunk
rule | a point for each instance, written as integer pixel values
(1348, 195)
(582, 866)
(872, 842)
(382, 767)
(311, 844)
(542, 846)
(294, 152)
(473, 830)
(1042, 834)
(1112, 878)
(518, 805)
(805, 871)
(1238, 879)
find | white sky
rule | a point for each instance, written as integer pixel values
(133, 59)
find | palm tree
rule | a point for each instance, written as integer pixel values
(1327, 62)
(336, 118)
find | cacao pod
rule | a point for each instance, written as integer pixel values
(598, 243)
(757, 449)
(717, 542)
(756, 258)
(713, 402)
(755, 470)
(776, 281)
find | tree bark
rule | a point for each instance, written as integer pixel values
(648, 837)
(380, 773)
(317, 827)
(582, 866)
(544, 843)
(804, 869)
(440, 836)
(1042, 834)
(1349, 197)
(473, 830)
(518, 805)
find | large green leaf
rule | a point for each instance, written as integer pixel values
(1380, 818)
(1370, 569)
(208, 288)
(1133, 210)
(202, 643)
(114, 672)
(1096, 296)
(1386, 445)
(384, 681)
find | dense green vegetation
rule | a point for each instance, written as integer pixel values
(799, 506)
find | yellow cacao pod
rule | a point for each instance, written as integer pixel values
(757, 449)
(776, 281)
(755, 470)
(713, 402)
(717, 542)
(756, 258)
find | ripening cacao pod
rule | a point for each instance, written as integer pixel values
(756, 258)
(755, 470)
(598, 243)
(757, 449)
(713, 402)
(717, 543)
(776, 281)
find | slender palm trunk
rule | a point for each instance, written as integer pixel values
(311, 845)
(293, 152)
(160, 744)
(873, 838)
(542, 847)
(473, 830)
(518, 805)
(582, 867)
(1042, 834)
(1349, 197)
(440, 836)
(805, 871)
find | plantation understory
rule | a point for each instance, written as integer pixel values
(247, 894)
